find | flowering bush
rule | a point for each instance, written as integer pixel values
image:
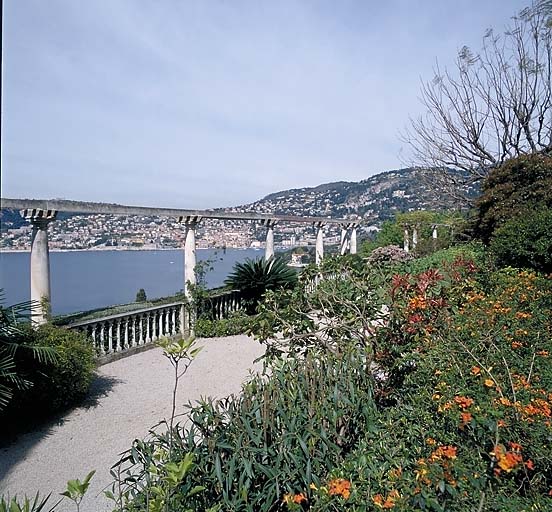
(470, 423)
(389, 254)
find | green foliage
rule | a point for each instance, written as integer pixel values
(76, 489)
(525, 241)
(474, 251)
(37, 504)
(141, 295)
(392, 232)
(465, 407)
(254, 277)
(282, 433)
(56, 383)
(512, 191)
(12, 320)
(236, 323)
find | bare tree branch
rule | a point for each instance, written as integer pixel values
(495, 105)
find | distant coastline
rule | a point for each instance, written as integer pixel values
(104, 249)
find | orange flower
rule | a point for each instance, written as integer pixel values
(542, 353)
(417, 303)
(529, 465)
(515, 446)
(507, 460)
(516, 344)
(386, 503)
(444, 452)
(466, 418)
(476, 370)
(295, 498)
(463, 401)
(489, 383)
(339, 487)
(501, 423)
(430, 441)
(299, 498)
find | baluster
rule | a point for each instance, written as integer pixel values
(154, 324)
(138, 330)
(110, 336)
(126, 328)
(148, 332)
(132, 330)
(97, 344)
(117, 335)
(166, 331)
(160, 323)
(173, 321)
(102, 338)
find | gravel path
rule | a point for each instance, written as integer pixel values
(128, 397)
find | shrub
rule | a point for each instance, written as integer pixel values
(389, 254)
(236, 323)
(58, 383)
(470, 421)
(525, 241)
(12, 320)
(254, 277)
(513, 190)
(283, 433)
(141, 295)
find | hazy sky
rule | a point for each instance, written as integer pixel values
(199, 104)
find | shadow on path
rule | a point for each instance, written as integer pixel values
(18, 437)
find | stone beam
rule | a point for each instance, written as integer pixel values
(117, 209)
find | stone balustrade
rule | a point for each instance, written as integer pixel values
(118, 333)
(220, 305)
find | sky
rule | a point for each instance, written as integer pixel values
(211, 103)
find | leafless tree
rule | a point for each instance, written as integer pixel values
(495, 105)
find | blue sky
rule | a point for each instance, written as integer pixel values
(200, 104)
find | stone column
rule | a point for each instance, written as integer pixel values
(414, 237)
(319, 251)
(343, 244)
(434, 233)
(353, 244)
(190, 224)
(406, 244)
(269, 246)
(40, 262)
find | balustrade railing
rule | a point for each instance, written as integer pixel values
(118, 333)
(310, 285)
(220, 305)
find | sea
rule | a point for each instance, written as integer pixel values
(85, 280)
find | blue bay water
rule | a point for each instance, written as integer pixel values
(84, 280)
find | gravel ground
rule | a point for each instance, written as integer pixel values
(129, 396)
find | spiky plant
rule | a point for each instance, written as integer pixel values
(11, 339)
(254, 277)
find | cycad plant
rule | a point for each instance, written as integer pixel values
(11, 340)
(254, 277)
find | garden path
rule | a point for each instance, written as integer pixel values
(128, 397)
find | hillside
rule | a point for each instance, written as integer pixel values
(375, 199)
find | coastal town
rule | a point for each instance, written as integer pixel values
(111, 232)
